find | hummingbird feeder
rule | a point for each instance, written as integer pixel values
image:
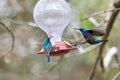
(53, 16)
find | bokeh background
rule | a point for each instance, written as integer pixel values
(23, 63)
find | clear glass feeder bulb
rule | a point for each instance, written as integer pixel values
(52, 16)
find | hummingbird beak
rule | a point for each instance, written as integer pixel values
(51, 36)
(76, 28)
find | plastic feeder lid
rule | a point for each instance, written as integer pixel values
(60, 48)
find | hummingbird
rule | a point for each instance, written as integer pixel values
(89, 36)
(47, 45)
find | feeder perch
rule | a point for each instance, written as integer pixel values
(60, 48)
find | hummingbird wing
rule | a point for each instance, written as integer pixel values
(96, 32)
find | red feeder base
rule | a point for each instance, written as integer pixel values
(60, 48)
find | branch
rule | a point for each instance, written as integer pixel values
(31, 24)
(117, 76)
(86, 50)
(112, 52)
(101, 12)
(108, 30)
(13, 39)
(105, 37)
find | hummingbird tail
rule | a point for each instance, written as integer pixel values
(98, 41)
(48, 58)
(105, 40)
